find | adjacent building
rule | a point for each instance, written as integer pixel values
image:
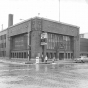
(40, 36)
(84, 44)
(3, 43)
(84, 35)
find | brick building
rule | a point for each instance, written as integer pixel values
(3, 43)
(62, 40)
(84, 44)
(83, 47)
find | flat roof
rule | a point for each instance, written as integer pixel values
(40, 18)
(58, 22)
(44, 19)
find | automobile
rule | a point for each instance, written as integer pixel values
(81, 59)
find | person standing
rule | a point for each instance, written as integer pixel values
(46, 59)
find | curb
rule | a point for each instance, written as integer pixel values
(26, 63)
(10, 62)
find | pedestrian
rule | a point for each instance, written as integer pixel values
(42, 59)
(53, 59)
(46, 59)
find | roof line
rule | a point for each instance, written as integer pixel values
(3, 30)
(57, 21)
(84, 33)
(44, 19)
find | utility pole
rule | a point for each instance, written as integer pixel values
(59, 10)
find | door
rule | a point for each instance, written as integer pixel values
(61, 56)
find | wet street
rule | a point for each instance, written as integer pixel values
(44, 75)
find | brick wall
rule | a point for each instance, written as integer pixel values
(59, 28)
(83, 45)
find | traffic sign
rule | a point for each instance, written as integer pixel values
(43, 35)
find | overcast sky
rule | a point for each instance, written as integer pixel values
(71, 11)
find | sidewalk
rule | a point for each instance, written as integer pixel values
(32, 61)
(12, 60)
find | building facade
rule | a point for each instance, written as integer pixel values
(25, 39)
(3, 43)
(83, 47)
(84, 35)
(84, 44)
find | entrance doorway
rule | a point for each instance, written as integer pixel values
(61, 56)
(68, 55)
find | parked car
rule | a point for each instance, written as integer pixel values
(81, 59)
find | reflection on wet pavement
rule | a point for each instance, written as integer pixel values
(44, 76)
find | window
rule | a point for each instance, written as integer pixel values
(1, 45)
(11, 54)
(22, 55)
(17, 55)
(5, 44)
(48, 42)
(1, 37)
(60, 38)
(25, 56)
(5, 36)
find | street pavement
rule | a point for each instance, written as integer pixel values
(32, 61)
(59, 75)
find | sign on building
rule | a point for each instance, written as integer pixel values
(43, 38)
(43, 35)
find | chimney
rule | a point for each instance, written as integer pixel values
(10, 20)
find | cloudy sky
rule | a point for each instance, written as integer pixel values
(71, 11)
